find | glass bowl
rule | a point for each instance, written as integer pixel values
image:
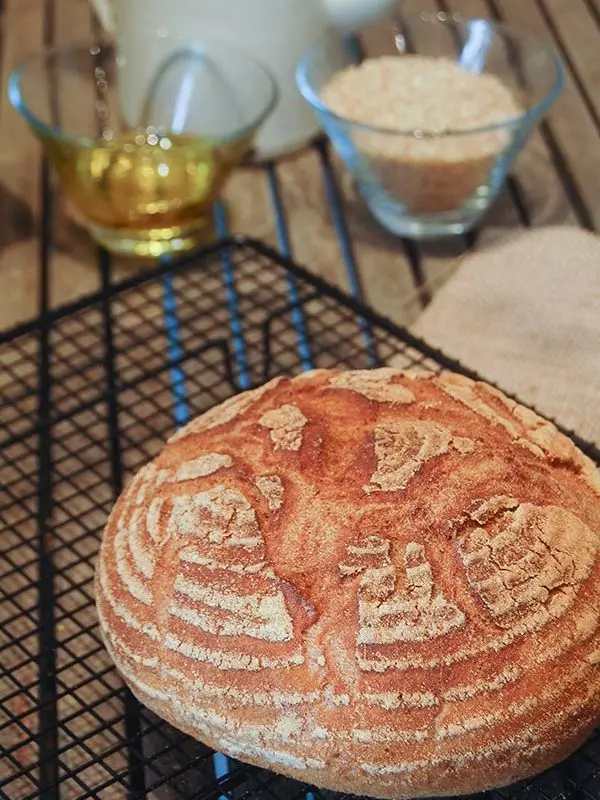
(429, 183)
(144, 135)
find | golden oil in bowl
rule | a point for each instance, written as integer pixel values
(144, 138)
(144, 192)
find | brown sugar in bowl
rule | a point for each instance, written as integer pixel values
(447, 153)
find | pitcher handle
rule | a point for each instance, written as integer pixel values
(104, 12)
(349, 15)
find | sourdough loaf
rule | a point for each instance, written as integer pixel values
(377, 582)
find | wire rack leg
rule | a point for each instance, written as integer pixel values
(47, 739)
(283, 241)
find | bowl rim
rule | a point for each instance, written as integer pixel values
(441, 18)
(104, 41)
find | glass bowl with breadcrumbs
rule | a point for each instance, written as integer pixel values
(430, 113)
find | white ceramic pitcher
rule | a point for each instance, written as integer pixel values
(275, 31)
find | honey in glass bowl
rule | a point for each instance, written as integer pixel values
(142, 171)
(145, 192)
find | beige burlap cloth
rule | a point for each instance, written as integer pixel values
(525, 314)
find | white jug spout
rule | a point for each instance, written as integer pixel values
(104, 12)
(349, 15)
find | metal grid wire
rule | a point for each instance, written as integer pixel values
(88, 395)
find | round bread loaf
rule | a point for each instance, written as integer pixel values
(377, 582)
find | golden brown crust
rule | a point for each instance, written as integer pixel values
(377, 582)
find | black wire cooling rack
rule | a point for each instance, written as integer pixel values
(89, 393)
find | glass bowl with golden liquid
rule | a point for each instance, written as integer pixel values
(143, 138)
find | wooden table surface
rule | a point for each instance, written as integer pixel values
(556, 180)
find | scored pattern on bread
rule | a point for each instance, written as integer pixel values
(285, 425)
(524, 425)
(226, 412)
(402, 448)
(415, 613)
(375, 385)
(465, 393)
(200, 467)
(382, 583)
(271, 488)
(222, 525)
(528, 566)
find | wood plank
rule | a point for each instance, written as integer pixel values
(383, 270)
(533, 195)
(71, 276)
(72, 21)
(248, 204)
(306, 211)
(503, 218)
(593, 7)
(74, 269)
(23, 32)
(385, 278)
(569, 122)
(382, 267)
(543, 193)
(384, 260)
(578, 35)
(429, 258)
